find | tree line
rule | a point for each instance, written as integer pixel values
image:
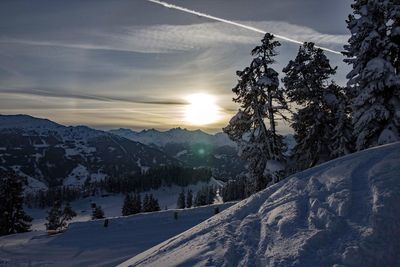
(204, 196)
(152, 179)
(133, 204)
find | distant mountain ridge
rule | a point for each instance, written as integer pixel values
(174, 135)
(49, 154)
(194, 148)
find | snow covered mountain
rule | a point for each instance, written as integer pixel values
(194, 148)
(341, 213)
(174, 136)
(52, 154)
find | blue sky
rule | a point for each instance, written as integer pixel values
(133, 63)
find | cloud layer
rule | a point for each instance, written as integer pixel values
(178, 38)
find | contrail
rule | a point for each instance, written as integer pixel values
(165, 4)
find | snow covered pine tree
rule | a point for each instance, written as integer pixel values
(97, 213)
(137, 204)
(180, 203)
(146, 204)
(342, 140)
(307, 84)
(374, 82)
(153, 203)
(260, 98)
(57, 217)
(132, 204)
(189, 199)
(127, 205)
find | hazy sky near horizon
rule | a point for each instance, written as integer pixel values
(133, 64)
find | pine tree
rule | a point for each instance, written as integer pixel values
(342, 141)
(133, 204)
(201, 197)
(137, 204)
(150, 203)
(180, 204)
(205, 196)
(13, 219)
(210, 195)
(57, 217)
(197, 200)
(234, 190)
(146, 203)
(68, 213)
(127, 206)
(97, 213)
(156, 205)
(307, 84)
(374, 82)
(54, 217)
(260, 98)
(189, 199)
(153, 204)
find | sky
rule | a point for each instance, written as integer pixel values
(135, 64)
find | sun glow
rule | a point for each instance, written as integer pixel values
(201, 109)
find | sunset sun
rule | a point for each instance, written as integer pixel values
(201, 110)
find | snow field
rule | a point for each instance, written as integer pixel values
(91, 244)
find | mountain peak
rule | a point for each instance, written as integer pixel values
(22, 121)
(174, 135)
(151, 130)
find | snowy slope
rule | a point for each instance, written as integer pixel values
(345, 212)
(91, 244)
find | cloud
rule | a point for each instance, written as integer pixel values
(102, 98)
(237, 24)
(57, 43)
(177, 38)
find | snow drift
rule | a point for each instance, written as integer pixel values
(342, 213)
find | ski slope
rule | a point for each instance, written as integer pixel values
(91, 244)
(345, 212)
(112, 204)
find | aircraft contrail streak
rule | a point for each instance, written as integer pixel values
(165, 4)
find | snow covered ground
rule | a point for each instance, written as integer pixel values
(345, 212)
(112, 204)
(92, 244)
